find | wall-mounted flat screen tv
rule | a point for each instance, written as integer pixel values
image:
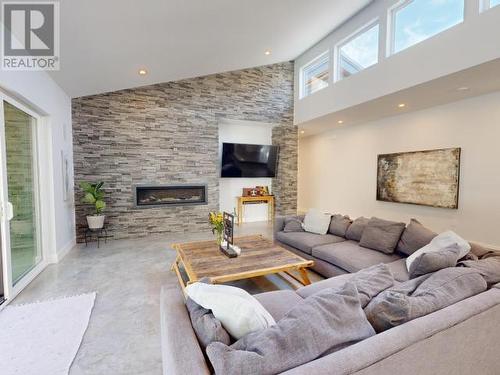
(242, 160)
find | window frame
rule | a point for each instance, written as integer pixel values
(319, 57)
(391, 22)
(485, 5)
(337, 56)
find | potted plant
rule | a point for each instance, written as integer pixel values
(94, 196)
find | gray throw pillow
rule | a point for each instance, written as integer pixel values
(414, 237)
(293, 225)
(207, 328)
(371, 281)
(382, 235)
(422, 296)
(355, 230)
(324, 321)
(339, 225)
(434, 261)
(481, 252)
(489, 268)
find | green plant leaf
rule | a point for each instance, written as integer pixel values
(86, 187)
(89, 198)
(100, 206)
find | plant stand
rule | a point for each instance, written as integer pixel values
(97, 233)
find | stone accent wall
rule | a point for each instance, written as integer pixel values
(168, 133)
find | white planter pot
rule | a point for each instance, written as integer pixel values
(95, 222)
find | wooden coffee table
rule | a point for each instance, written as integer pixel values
(259, 256)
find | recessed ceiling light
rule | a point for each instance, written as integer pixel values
(302, 131)
(401, 105)
(340, 122)
(463, 88)
(267, 52)
(143, 72)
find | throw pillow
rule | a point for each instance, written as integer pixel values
(414, 237)
(293, 225)
(371, 281)
(355, 230)
(382, 235)
(316, 222)
(441, 242)
(434, 261)
(206, 327)
(422, 296)
(489, 268)
(238, 311)
(327, 320)
(481, 252)
(339, 225)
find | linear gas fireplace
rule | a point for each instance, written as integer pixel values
(169, 195)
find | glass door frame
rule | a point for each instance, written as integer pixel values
(11, 290)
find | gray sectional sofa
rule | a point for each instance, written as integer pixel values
(334, 255)
(459, 339)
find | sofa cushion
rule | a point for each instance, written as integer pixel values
(327, 320)
(414, 237)
(293, 225)
(369, 282)
(382, 235)
(399, 270)
(355, 230)
(422, 296)
(305, 241)
(208, 329)
(316, 221)
(339, 225)
(278, 302)
(351, 257)
(434, 261)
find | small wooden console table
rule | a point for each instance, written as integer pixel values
(242, 201)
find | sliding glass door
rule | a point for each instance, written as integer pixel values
(19, 194)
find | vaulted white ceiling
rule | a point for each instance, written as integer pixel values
(105, 42)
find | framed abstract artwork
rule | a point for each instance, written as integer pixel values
(428, 178)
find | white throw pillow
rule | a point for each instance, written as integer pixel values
(237, 310)
(440, 242)
(316, 222)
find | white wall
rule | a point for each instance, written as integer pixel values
(337, 169)
(468, 44)
(38, 91)
(249, 132)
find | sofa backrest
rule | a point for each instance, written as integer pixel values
(367, 357)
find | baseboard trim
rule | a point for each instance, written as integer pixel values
(62, 252)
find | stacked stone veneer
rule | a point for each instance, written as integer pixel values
(167, 134)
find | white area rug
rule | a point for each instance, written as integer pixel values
(43, 338)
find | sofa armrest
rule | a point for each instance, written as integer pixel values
(279, 222)
(181, 352)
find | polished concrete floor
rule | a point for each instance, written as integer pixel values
(123, 336)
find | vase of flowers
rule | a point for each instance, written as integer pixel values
(216, 220)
